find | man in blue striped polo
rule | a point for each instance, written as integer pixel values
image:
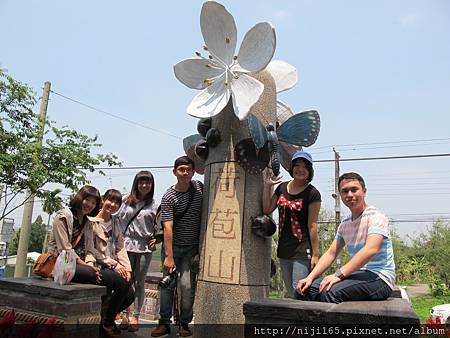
(370, 272)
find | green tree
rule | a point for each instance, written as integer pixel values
(434, 246)
(37, 236)
(64, 157)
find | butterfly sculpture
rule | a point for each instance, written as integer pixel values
(300, 129)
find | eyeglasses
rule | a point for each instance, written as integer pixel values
(184, 170)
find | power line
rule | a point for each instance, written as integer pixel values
(409, 194)
(423, 213)
(373, 143)
(413, 184)
(134, 168)
(316, 161)
(393, 220)
(385, 158)
(414, 178)
(383, 147)
(117, 116)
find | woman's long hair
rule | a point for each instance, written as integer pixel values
(132, 198)
(85, 192)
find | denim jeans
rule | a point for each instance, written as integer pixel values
(139, 266)
(187, 280)
(292, 271)
(360, 285)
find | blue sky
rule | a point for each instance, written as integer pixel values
(378, 72)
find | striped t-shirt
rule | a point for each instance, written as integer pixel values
(186, 231)
(354, 234)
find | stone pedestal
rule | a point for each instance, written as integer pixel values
(389, 318)
(76, 307)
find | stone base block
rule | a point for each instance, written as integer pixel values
(284, 314)
(222, 303)
(76, 307)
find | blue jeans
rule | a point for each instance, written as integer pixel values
(360, 285)
(139, 267)
(292, 271)
(187, 280)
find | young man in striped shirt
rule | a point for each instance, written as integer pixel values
(180, 214)
(370, 272)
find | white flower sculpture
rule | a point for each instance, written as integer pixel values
(223, 74)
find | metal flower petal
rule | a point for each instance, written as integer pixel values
(245, 92)
(284, 112)
(284, 74)
(196, 73)
(219, 31)
(210, 101)
(258, 47)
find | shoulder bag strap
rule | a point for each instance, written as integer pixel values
(75, 242)
(132, 218)
(179, 216)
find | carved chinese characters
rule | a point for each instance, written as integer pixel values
(224, 230)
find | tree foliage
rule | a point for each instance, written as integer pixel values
(64, 157)
(37, 236)
(434, 247)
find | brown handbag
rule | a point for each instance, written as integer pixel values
(44, 265)
(46, 261)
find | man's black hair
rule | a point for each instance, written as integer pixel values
(352, 176)
(183, 160)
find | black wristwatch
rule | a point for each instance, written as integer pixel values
(339, 274)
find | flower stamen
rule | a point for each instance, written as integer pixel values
(208, 82)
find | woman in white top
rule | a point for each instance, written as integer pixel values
(137, 221)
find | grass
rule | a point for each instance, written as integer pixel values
(277, 294)
(422, 305)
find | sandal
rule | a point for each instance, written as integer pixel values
(124, 323)
(133, 325)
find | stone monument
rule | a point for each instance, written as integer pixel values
(234, 262)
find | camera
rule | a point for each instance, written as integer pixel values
(167, 280)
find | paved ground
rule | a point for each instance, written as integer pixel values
(418, 289)
(146, 329)
(148, 326)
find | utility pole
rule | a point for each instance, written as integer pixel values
(25, 229)
(337, 200)
(1, 195)
(336, 196)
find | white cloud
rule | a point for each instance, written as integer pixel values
(281, 14)
(408, 19)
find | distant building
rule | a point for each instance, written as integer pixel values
(6, 229)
